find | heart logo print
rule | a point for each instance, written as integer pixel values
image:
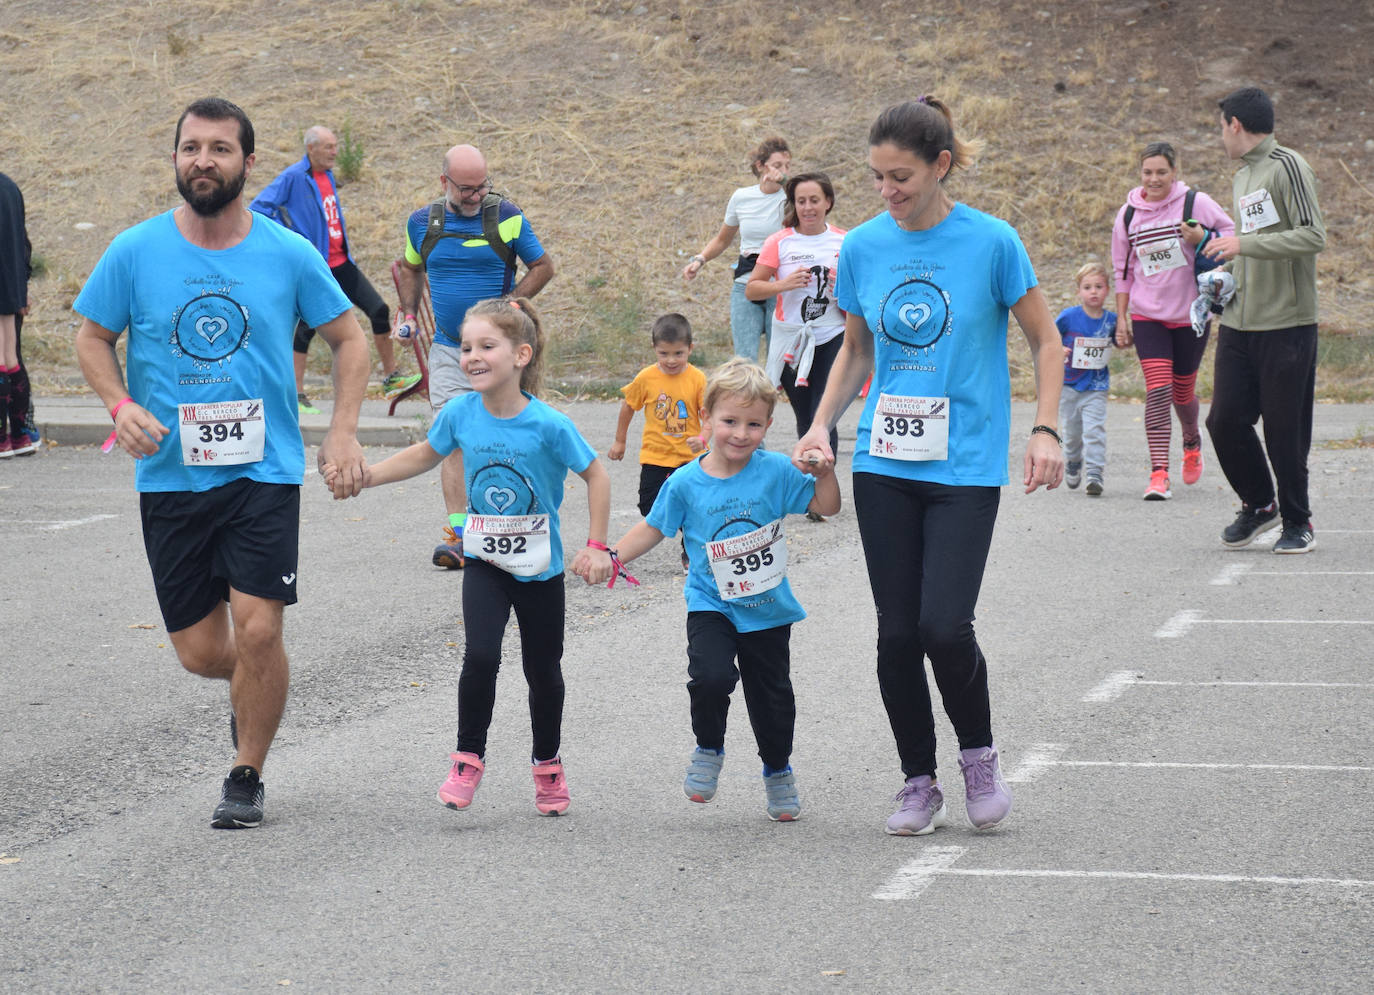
(914, 315)
(211, 327)
(500, 498)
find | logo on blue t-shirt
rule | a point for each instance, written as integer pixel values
(497, 489)
(210, 328)
(736, 527)
(915, 313)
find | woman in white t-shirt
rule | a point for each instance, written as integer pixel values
(797, 267)
(754, 213)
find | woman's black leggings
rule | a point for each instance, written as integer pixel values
(926, 545)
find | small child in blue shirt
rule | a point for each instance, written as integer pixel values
(730, 504)
(1088, 332)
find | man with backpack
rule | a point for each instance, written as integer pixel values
(468, 243)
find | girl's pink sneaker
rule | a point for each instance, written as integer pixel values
(462, 781)
(550, 788)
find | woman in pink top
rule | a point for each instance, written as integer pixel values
(1155, 287)
(797, 266)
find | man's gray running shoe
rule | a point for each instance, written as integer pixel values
(240, 802)
(1249, 523)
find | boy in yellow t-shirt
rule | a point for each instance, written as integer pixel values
(671, 392)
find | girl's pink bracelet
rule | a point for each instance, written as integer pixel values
(619, 567)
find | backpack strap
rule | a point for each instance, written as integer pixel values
(1126, 229)
(434, 230)
(491, 230)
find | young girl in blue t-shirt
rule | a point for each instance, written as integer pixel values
(730, 504)
(516, 452)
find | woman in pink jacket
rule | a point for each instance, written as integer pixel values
(1153, 248)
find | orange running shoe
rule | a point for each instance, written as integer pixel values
(1192, 464)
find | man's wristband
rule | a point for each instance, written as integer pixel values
(699, 259)
(1046, 430)
(115, 410)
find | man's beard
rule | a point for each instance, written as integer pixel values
(213, 201)
(464, 211)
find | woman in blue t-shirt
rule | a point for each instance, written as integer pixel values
(927, 287)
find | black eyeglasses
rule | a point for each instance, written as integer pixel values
(467, 191)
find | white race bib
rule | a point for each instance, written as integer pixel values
(517, 544)
(1090, 354)
(910, 428)
(1157, 257)
(749, 564)
(1257, 211)
(223, 433)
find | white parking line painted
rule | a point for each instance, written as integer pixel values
(1230, 572)
(1112, 685)
(1183, 621)
(1043, 756)
(1033, 761)
(53, 525)
(1179, 624)
(916, 875)
(1312, 573)
(1254, 684)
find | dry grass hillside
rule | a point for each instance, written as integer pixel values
(622, 127)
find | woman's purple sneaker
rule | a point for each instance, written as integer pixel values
(920, 808)
(988, 799)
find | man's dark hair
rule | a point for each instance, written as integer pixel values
(671, 327)
(1250, 106)
(218, 109)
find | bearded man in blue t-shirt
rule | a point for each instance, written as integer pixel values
(210, 294)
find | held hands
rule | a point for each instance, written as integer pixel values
(812, 453)
(1044, 462)
(815, 462)
(1125, 334)
(593, 565)
(342, 465)
(333, 479)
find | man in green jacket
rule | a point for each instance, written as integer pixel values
(1266, 359)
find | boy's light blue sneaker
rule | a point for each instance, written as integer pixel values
(1073, 474)
(784, 804)
(703, 771)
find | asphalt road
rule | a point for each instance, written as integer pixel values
(1188, 730)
